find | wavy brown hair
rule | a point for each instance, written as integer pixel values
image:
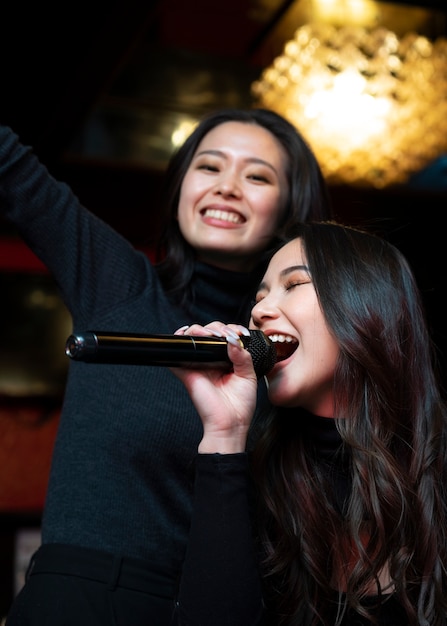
(392, 424)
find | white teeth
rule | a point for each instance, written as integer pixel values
(282, 338)
(226, 216)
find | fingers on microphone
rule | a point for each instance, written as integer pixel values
(241, 330)
(216, 329)
(181, 330)
(234, 340)
(233, 336)
(199, 330)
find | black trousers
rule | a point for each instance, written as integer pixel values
(71, 586)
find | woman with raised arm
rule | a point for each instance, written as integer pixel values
(118, 504)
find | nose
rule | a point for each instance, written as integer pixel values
(228, 185)
(263, 311)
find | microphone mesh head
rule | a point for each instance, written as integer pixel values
(262, 352)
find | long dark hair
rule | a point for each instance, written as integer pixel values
(392, 433)
(308, 196)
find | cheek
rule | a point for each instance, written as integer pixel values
(267, 206)
(184, 217)
(185, 192)
(329, 352)
(319, 345)
(186, 201)
(181, 212)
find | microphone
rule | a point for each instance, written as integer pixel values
(170, 350)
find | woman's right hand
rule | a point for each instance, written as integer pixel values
(225, 400)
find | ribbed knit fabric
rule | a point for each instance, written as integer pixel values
(122, 473)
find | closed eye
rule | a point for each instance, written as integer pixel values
(260, 178)
(296, 283)
(208, 167)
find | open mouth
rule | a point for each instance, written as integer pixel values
(285, 346)
(223, 215)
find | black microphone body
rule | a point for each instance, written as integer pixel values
(169, 350)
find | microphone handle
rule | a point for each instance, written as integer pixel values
(168, 350)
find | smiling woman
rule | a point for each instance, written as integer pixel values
(231, 197)
(240, 179)
(348, 471)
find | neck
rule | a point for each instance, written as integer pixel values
(232, 263)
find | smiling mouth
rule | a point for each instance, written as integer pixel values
(224, 216)
(285, 346)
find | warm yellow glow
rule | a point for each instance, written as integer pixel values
(182, 132)
(346, 115)
(360, 12)
(373, 107)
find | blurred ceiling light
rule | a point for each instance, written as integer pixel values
(182, 132)
(360, 12)
(372, 106)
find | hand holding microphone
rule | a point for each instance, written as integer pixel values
(169, 350)
(225, 403)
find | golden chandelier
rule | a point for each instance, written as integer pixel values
(373, 107)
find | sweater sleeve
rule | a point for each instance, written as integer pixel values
(93, 265)
(220, 582)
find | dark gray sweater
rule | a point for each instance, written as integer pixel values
(122, 471)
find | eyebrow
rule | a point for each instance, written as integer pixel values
(286, 272)
(248, 160)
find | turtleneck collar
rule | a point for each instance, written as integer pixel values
(323, 433)
(222, 294)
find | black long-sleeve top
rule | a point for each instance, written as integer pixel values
(221, 583)
(122, 471)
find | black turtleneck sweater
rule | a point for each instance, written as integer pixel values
(122, 471)
(220, 582)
